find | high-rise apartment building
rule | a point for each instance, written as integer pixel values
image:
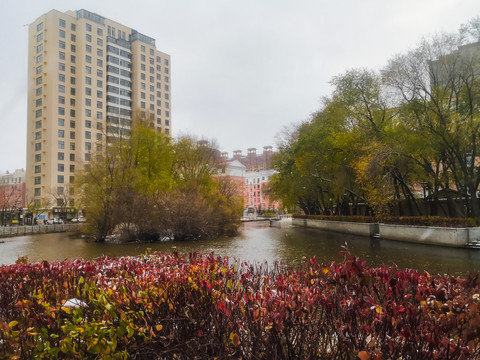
(88, 76)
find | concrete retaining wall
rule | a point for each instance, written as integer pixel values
(8, 231)
(455, 237)
(360, 229)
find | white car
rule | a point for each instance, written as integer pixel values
(78, 219)
(53, 221)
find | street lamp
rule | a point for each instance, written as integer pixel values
(424, 186)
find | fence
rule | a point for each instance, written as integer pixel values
(8, 231)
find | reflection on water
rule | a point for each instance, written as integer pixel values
(257, 242)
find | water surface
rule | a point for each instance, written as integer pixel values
(256, 243)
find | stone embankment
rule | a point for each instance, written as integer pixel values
(454, 237)
(9, 231)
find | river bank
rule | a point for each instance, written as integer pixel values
(430, 235)
(22, 230)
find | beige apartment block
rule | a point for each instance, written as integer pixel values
(87, 77)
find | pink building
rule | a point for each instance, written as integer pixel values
(253, 172)
(12, 190)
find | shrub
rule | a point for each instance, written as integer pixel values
(169, 306)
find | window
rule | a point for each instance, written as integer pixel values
(73, 37)
(60, 167)
(61, 122)
(88, 70)
(39, 48)
(88, 113)
(39, 37)
(61, 156)
(151, 69)
(72, 91)
(167, 122)
(99, 52)
(60, 179)
(72, 113)
(38, 135)
(61, 144)
(99, 115)
(61, 111)
(72, 69)
(166, 62)
(38, 113)
(38, 102)
(167, 96)
(61, 23)
(99, 126)
(88, 124)
(152, 98)
(88, 157)
(142, 75)
(152, 107)
(38, 157)
(99, 83)
(89, 27)
(88, 135)
(88, 48)
(61, 89)
(142, 85)
(142, 95)
(99, 104)
(143, 57)
(99, 136)
(159, 112)
(99, 32)
(99, 42)
(99, 62)
(40, 26)
(38, 146)
(72, 135)
(152, 79)
(88, 102)
(38, 124)
(61, 99)
(88, 80)
(167, 88)
(72, 102)
(61, 44)
(99, 73)
(152, 88)
(38, 180)
(88, 91)
(39, 69)
(72, 158)
(152, 61)
(38, 169)
(61, 55)
(88, 146)
(88, 59)
(142, 47)
(99, 94)
(166, 78)
(159, 59)
(73, 48)
(72, 124)
(167, 113)
(72, 59)
(142, 104)
(61, 77)
(61, 133)
(38, 91)
(73, 27)
(72, 167)
(61, 33)
(39, 58)
(159, 121)
(72, 146)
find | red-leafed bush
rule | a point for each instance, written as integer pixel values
(199, 307)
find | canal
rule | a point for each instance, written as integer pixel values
(256, 243)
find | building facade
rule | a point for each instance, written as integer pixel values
(88, 77)
(252, 174)
(12, 196)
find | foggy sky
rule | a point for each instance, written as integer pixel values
(241, 70)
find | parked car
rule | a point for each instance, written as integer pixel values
(54, 221)
(78, 219)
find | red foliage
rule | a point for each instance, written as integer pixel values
(166, 306)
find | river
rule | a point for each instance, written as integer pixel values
(256, 243)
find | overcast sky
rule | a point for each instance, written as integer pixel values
(241, 70)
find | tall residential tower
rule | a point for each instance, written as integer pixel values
(87, 77)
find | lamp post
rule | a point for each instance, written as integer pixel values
(424, 186)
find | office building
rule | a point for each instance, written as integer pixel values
(88, 76)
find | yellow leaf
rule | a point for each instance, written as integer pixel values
(159, 327)
(66, 309)
(325, 271)
(379, 310)
(312, 281)
(235, 339)
(12, 324)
